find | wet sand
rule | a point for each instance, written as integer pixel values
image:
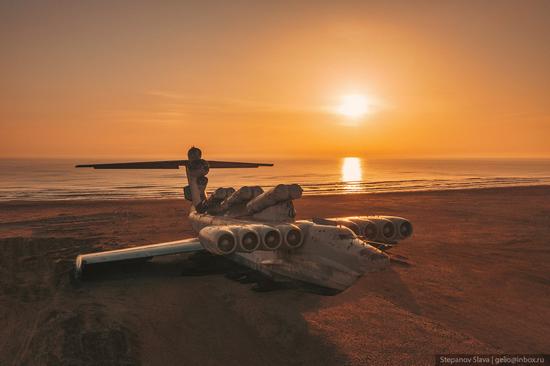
(478, 282)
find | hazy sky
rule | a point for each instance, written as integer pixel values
(116, 78)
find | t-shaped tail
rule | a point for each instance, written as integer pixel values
(196, 169)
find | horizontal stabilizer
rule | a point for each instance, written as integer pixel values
(141, 252)
(170, 164)
(234, 164)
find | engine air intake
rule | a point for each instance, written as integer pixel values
(370, 230)
(250, 241)
(272, 239)
(292, 235)
(226, 243)
(405, 229)
(388, 230)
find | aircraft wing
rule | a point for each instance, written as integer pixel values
(170, 164)
(140, 252)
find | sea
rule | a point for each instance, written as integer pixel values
(57, 179)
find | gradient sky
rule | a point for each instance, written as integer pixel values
(258, 78)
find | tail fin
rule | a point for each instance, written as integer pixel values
(196, 170)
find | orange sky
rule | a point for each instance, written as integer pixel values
(125, 79)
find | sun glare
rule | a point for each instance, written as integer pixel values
(351, 170)
(353, 106)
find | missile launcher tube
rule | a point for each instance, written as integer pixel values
(279, 193)
(215, 199)
(242, 195)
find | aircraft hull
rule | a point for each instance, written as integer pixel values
(297, 269)
(330, 256)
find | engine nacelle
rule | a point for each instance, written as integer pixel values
(218, 240)
(293, 237)
(248, 240)
(386, 230)
(403, 226)
(376, 228)
(270, 237)
(350, 225)
(359, 225)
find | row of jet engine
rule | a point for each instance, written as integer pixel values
(248, 238)
(383, 229)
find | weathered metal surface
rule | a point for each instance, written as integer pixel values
(258, 230)
(146, 251)
(329, 256)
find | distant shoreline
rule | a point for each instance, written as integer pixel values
(311, 195)
(39, 182)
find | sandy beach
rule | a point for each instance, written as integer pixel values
(478, 281)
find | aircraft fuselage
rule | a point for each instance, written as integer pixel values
(330, 256)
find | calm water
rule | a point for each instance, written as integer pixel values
(58, 180)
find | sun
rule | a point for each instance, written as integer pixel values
(353, 106)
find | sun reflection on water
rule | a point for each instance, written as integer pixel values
(352, 173)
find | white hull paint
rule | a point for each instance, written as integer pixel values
(331, 256)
